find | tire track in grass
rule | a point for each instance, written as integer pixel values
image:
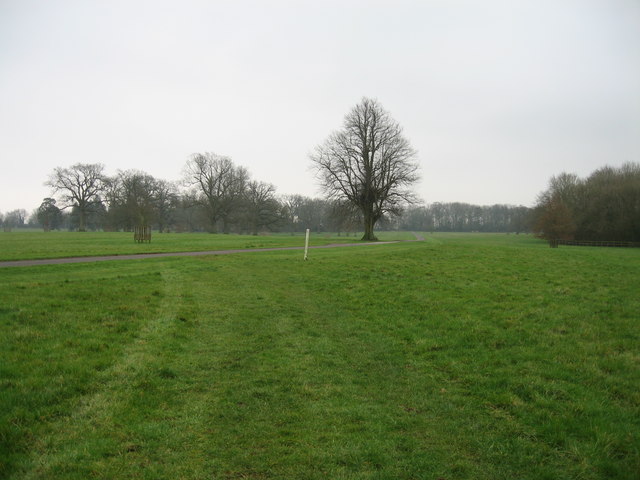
(98, 431)
(296, 395)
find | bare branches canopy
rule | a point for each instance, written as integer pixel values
(368, 163)
(78, 186)
(218, 185)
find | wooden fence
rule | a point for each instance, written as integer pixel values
(142, 234)
(587, 243)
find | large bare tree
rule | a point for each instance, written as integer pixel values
(368, 163)
(219, 185)
(166, 200)
(262, 207)
(137, 197)
(79, 186)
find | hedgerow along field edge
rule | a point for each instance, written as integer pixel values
(466, 356)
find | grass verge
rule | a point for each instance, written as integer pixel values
(485, 357)
(31, 245)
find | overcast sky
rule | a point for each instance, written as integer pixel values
(495, 95)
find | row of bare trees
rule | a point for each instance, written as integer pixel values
(218, 196)
(605, 206)
(214, 195)
(14, 218)
(367, 169)
(178, 211)
(228, 196)
(464, 217)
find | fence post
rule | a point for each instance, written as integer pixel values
(306, 244)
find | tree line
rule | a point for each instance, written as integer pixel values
(464, 217)
(215, 195)
(605, 206)
(366, 169)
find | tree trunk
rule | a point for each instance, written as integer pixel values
(82, 220)
(215, 220)
(369, 223)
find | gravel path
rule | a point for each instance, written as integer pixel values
(138, 256)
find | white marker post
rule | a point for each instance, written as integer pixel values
(306, 244)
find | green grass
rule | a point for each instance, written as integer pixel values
(19, 245)
(464, 356)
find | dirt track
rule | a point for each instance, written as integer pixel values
(138, 256)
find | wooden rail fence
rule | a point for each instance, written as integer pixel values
(594, 243)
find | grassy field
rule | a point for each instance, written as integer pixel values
(463, 356)
(18, 245)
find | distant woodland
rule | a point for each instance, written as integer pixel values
(604, 206)
(225, 199)
(221, 197)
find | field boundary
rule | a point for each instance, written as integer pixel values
(596, 243)
(141, 256)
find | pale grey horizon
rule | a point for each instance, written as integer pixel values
(496, 96)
